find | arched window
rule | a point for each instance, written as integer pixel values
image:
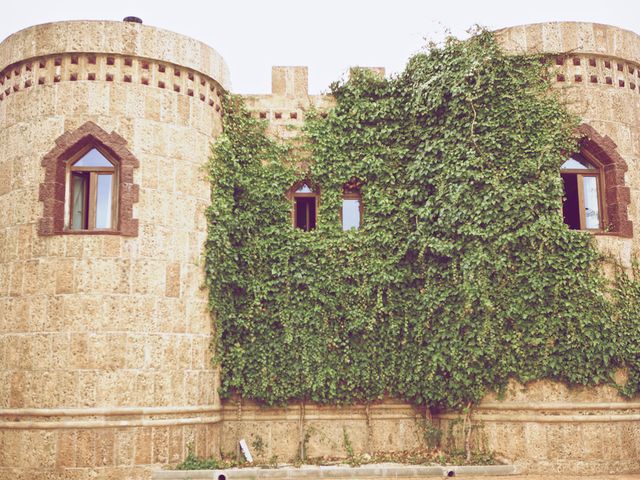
(596, 198)
(352, 208)
(92, 200)
(582, 204)
(88, 185)
(304, 197)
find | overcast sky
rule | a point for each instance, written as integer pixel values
(328, 36)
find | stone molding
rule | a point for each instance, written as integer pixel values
(256, 413)
(559, 406)
(51, 70)
(93, 424)
(545, 412)
(107, 411)
(52, 190)
(542, 418)
(67, 418)
(617, 195)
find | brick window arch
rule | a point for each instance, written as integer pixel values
(55, 192)
(615, 195)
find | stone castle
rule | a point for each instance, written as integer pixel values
(105, 361)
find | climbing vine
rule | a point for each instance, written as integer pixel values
(462, 275)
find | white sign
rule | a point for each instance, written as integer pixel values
(245, 451)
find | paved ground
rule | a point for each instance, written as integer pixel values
(551, 477)
(310, 473)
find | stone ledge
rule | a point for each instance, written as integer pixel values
(106, 411)
(129, 417)
(340, 471)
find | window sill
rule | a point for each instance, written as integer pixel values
(91, 232)
(608, 234)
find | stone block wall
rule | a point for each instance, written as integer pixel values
(382, 427)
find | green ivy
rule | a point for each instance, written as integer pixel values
(626, 325)
(463, 274)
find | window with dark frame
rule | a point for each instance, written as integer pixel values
(92, 196)
(305, 206)
(582, 203)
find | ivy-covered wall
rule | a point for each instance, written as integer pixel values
(463, 274)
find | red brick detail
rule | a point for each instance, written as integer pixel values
(617, 195)
(52, 190)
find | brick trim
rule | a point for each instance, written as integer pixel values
(52, 190)
(617, 195)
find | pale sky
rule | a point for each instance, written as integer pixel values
(328, 36)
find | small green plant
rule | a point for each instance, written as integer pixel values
(352, 459)
(258, 446)
(431, 434)
(193, 462)
(273, 461)
(346, 442)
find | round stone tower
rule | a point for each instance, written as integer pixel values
(548, 427)
(597, 73)
(105, 362)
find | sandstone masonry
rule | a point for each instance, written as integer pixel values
(105, 361)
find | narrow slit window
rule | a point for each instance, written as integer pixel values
(305, 206)
(351, 212)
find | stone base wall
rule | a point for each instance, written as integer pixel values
(544, 427)
(547, 427)
(126, 452)
(389, 426)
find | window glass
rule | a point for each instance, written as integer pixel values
(350, 214)
(80, 201)
(305, 213)
(103, 201)
(591, 208)
(92, 192)
(573, 164)
(93, 158)
(304, 189)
